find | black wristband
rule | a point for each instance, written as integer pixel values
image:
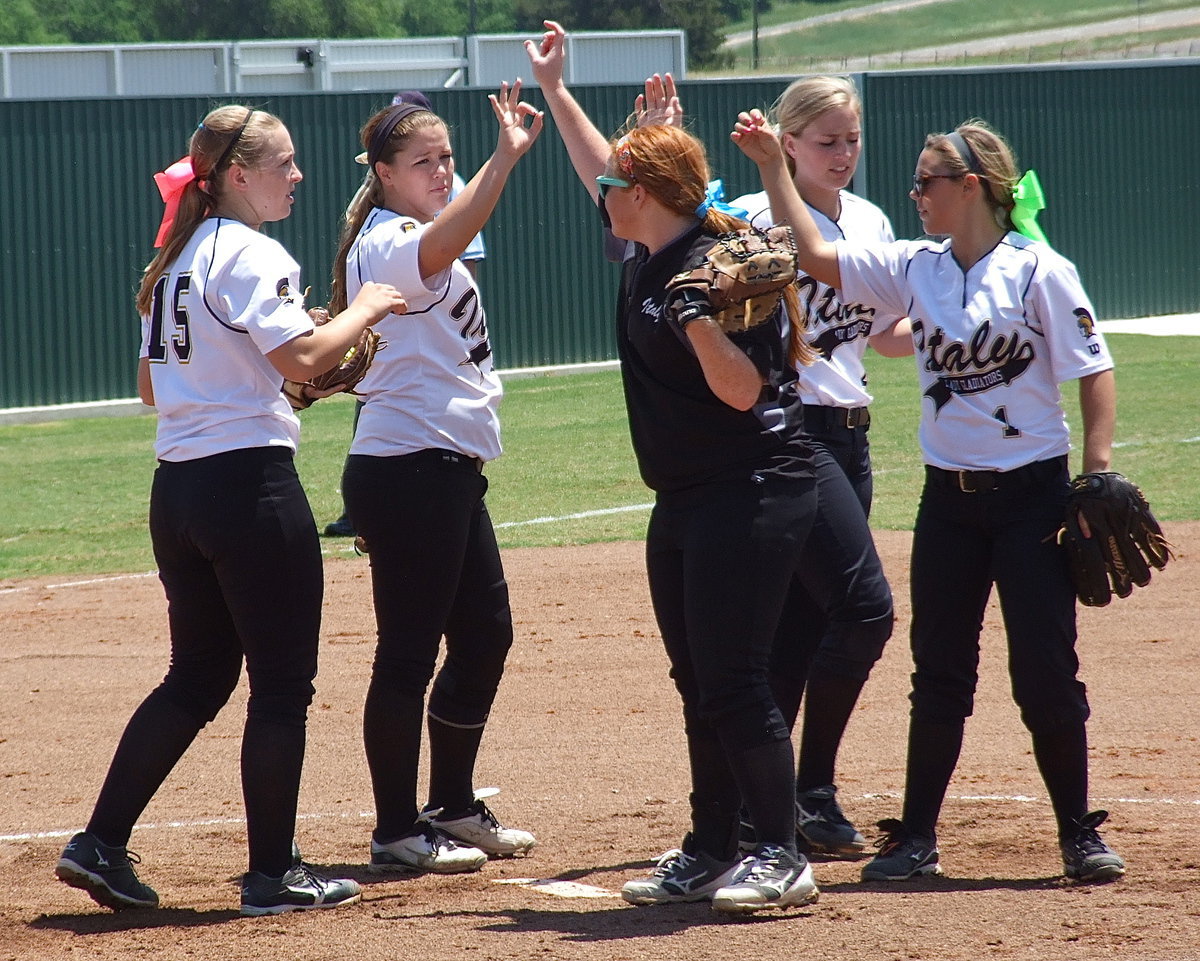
(689, 304)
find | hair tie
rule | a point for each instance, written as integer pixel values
(713, 195)
(1028, 199)
(383, 130)
(171, 183)
(623, 154)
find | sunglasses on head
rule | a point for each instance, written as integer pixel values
(920, 183)
(604, 182)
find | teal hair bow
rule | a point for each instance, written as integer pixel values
(712, 201)
(1028, 199)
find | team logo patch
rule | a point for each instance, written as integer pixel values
(1087, 323)
(283, 289)
(408, 226)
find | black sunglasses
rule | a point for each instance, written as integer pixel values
(921, 181)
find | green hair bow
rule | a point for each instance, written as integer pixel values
(1028, 199)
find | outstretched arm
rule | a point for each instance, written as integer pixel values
(815, 255)
(586, 146)
(455, 227)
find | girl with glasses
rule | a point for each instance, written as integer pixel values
(715, 424)
(999, 322)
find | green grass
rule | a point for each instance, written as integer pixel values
(947, 23)
(73, 493)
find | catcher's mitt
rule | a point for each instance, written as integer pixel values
(741, 281)
(1125, 540)
(345, 375)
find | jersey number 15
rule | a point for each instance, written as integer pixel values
(181, 341)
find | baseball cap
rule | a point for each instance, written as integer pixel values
(413, 97)
(416, 98)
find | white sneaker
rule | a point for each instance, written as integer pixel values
(478, 827)
(769, 878)
(424, 848)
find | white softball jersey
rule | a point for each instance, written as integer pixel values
(433, 385)
(232, 296)
(836, 327)
(993, 344)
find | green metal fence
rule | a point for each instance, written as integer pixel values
(1115, 148)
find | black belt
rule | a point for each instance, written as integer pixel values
(822, 417)
(438, 455)
(987, 481)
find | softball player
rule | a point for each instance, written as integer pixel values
(471, 257)
(838, 613)
(715, 427)
(999, 321)
(414, 485)
(223, 323)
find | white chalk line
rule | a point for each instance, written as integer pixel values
(317, 816)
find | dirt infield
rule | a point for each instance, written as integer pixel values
(585, 742)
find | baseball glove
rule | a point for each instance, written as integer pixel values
(1125, 542)
(740, 282)
(345, 375)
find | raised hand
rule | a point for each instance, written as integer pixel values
(659, 104)
(756, 138)
(547, 57)
(514, 138)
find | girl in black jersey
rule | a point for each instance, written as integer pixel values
(715, 425)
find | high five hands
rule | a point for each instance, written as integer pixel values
(659, 104)
(756, 138)
(515, 138)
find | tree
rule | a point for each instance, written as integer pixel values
(451, 18)
(21, 23)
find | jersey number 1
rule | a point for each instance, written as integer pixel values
(181, 340)
(1001, 414)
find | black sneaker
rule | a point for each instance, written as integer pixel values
(682, 874)
(769, 878)
(300, 889)
(340, 528)
(902, 855)
(822, 828)
(104, 872)
(1085, 855)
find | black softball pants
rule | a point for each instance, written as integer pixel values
(719, 558)
(963, 544)
(838, 613)
(240, 561)
(435, 571)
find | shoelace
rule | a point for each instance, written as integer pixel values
(311, 876)
(1088, 841)
(488, 817)
(893, 836)
(828, 810)
(768, 862)
(670, 859)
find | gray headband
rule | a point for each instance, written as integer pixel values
(964, 151)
